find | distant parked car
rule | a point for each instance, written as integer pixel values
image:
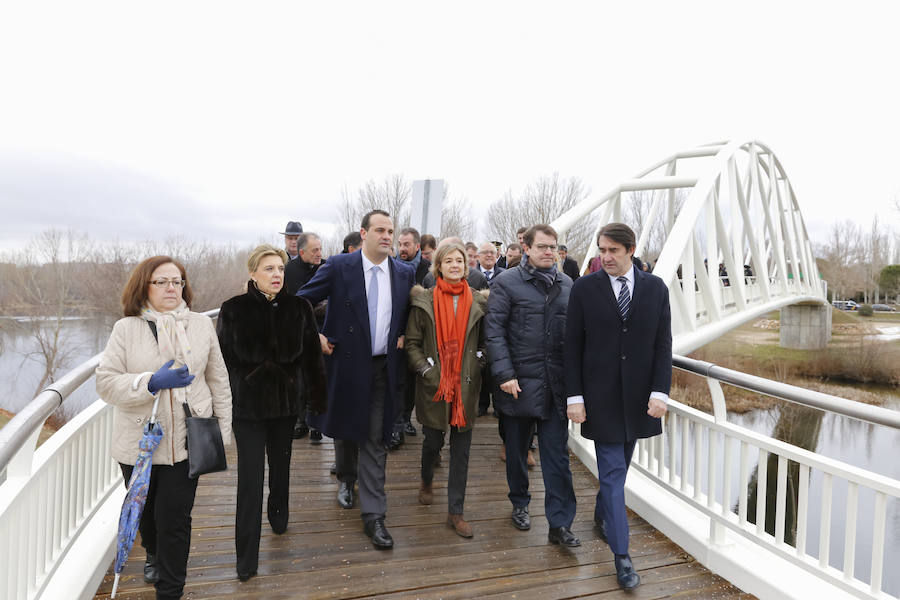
(883, 308)
(845, 305)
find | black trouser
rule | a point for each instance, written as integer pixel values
(487, 387)
(346, 460)
(553, 435)
(408, 393)
(256, 441)
(166, 523)
(460, 442)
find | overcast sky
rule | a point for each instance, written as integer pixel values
(223, 121)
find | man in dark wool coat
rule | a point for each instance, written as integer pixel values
(618, 369)
(368, 301)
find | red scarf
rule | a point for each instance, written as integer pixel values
(451, 337)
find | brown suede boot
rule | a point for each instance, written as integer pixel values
(503, 453)
(530, 460)
(459, 525)
(426, 496)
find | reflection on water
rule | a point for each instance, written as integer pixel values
(21, 367)
(799, 426)
(871, 447)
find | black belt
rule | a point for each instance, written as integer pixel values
(379, 357)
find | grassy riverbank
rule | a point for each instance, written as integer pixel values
(855, 365)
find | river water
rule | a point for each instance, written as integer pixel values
(863, 445)
(21, 369)
(859, 444)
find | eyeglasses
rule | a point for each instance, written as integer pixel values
(545, 247)
(164, 283)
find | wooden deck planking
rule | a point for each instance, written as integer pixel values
(325, 554)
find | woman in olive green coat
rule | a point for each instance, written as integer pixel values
(445, 347)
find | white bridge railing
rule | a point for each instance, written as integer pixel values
(706, 464)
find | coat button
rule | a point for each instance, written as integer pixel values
(623, 357)
(350, 329)
(624, 330)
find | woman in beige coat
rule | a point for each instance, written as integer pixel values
(444, 345)
(159, 331)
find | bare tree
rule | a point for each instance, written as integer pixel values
(391, 195)
(45, 286)
(456, 218)
(348, 213)
(541, 202)
(841, 255)
(875, 256)
(636, 212)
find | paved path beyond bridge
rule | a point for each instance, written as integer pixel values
(325, 553)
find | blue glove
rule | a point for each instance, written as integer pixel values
(166, 378)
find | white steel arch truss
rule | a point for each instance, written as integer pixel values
(740, 211)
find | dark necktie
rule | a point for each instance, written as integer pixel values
(624, 300)
(487, 275)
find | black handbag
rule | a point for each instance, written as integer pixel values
(206, 451)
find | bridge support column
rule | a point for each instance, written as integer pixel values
(805, 326)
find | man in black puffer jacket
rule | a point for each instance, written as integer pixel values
(525, 334)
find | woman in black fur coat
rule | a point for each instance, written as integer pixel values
(272, 351)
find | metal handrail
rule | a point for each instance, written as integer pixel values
(31, 418)
(842, 406)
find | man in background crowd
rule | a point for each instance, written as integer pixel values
(291, 232)
(409, 251)
(296, 273)
(472, 255)
(352, 242)
(428, 244)
(520, 233)
(487, 261)
(569, 266)
(513, 256)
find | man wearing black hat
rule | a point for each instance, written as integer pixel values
(291, 233)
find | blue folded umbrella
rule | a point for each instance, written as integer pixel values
(136, 496)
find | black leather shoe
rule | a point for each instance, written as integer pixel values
(396, 440)
(315, 437)
(563, 536)
(409, 429)
(300, 431)
(379, 535)
(600, 529)
(246, 576)
(345, 494)
(520, 518)
(151, 571)
(333, 469)
(625, 574)
(482, 411)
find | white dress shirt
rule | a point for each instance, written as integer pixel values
(617, 287)
(383, 322)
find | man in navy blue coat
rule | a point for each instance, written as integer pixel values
(618, 369)
(362, 337)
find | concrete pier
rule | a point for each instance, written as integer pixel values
(805, 326)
